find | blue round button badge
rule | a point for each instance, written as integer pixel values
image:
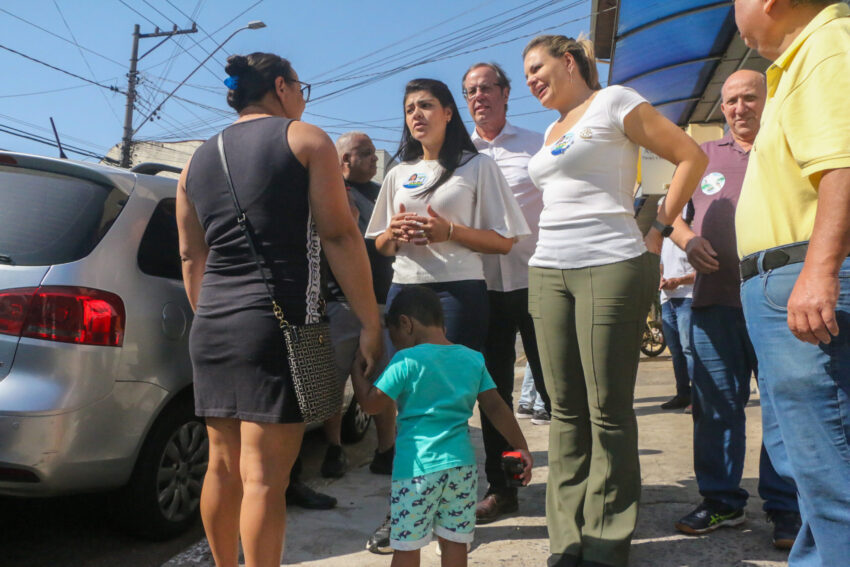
(563, 144)
(415, 180)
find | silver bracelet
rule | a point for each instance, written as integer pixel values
(451, 230)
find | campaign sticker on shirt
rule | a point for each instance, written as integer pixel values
(415, 180)
(563, 144)
(713, 183)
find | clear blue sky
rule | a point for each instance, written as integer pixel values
(324, 39)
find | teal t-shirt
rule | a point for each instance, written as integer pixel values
(435, 388)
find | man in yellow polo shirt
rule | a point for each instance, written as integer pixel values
(793, 228)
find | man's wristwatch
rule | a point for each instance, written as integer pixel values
(664, 229)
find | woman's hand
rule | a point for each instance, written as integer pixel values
(435, 228)
(405, 227)
(369, 352)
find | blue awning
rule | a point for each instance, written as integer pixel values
(675, 53)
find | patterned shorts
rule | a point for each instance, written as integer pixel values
(442, 502)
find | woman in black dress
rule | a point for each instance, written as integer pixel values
(287, 178)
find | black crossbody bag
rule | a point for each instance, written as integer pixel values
(308, 346)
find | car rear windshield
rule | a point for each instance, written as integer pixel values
(47, 218)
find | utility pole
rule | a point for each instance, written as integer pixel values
(132, 79)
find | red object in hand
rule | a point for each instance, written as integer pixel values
(513, 466)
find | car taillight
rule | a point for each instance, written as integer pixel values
(65, 314)
(14, 306)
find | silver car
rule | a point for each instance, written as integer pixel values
(95, 376)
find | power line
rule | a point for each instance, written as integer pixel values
(40, 62)
(233, 19)
(50, 91)
(50, 131)
(460, 40)
(192, 18)
(455, 35)
(102, 56)
(12, 131)
(449, 54)
(86, 61)
(393, 44)
(151, 22)
(179, 44)
(155, 9)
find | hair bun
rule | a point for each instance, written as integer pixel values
(237, 65)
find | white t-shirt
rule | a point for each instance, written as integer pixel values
(476, 195)
(512, 149)
(587, 177)
(676, 265)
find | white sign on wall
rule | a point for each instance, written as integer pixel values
(656, 173)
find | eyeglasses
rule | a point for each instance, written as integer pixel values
(483, 88)
(305, 89)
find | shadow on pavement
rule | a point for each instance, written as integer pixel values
(657, 543)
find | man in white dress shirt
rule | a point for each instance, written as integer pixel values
(486, 89)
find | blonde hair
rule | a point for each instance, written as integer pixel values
(580, 49)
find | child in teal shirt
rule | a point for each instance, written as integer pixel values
(435, 385)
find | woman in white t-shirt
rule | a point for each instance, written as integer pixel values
(441, 208)
(591, 280)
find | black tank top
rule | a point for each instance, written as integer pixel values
(271, 185)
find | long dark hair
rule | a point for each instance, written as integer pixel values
(255, 75)
(457, 148)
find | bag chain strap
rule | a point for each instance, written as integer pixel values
(244, 225)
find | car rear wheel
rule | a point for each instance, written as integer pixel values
(164, 494)
(355, 423)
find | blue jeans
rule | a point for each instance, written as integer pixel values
(466, 310)
(676, 323)
(723, 363)
(528, 393)
(805, 403)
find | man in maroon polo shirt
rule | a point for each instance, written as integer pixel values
(724, 359)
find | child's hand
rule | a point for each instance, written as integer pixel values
(527, 462)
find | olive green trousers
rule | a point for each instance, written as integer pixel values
(588, 323)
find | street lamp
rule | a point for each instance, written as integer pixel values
(255, 25)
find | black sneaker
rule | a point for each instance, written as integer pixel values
(335, 463)
(523, 412)
(785, 528)
(541, 417)
(382, 463)
(708, 517)
(679, 401)
(380, 541)
(301, 495)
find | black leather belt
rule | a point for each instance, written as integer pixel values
(772, 259)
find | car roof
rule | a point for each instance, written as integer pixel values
(105, 174)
